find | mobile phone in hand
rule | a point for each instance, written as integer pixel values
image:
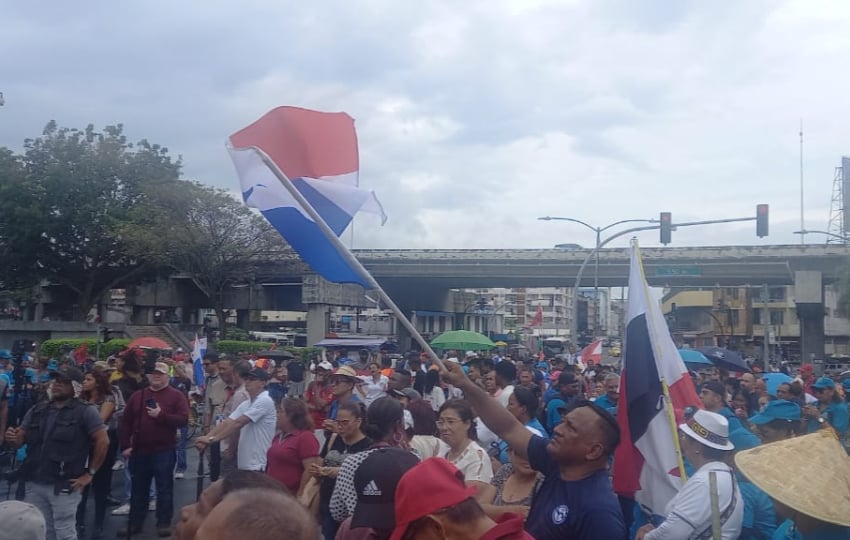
(151, 404)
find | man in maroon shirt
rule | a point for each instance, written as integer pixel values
(151, 417)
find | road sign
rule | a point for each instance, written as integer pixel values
(673, 271)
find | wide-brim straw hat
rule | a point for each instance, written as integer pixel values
(810, 474)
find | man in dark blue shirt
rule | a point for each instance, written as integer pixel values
(576, 500)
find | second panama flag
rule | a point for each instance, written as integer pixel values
(317, 152)
(646, 464)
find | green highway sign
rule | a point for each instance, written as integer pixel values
(673, 271)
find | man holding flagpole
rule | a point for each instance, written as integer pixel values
(575, 500)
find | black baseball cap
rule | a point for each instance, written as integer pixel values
(67, 373)
(257, 373)
(717, 387)
(375, 481)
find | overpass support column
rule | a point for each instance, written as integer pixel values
(808, 293)
(317, 323)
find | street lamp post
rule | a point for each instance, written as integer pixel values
(496, 311)
(844, 239)
(598, 231)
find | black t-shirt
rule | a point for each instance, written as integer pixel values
(295, 370)
(333, 457)
(584, 509)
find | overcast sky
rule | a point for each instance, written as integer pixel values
(474, 117)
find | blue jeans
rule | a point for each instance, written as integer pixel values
(181, 449)
(60, 511)
(128, 484)
(145, 468)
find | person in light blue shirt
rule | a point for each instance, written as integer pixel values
(788, 530)
(779, 420)
(523, 405)
(828, 409)
(713, 397)
(759, 514)
(568, 388)
(808, 480)
(609, 400)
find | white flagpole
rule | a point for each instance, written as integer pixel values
(346, 254)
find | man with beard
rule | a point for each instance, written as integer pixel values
(60, 435)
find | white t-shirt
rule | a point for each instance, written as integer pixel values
(474, 463)
(435, 398)
(371, 390)
(255, 438)
(505, 395)
(689, 512)
(486, 437)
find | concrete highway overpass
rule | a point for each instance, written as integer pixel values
(682, 266)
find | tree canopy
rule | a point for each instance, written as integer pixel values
(91, 211)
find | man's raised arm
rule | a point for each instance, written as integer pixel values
(489, 411)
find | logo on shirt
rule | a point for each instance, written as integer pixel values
(372, 489)
(559, 514)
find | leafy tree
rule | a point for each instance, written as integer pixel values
(17, 264)
(210, 237)
(78, 189)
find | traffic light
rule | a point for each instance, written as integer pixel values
(761, 220)
(666, 228)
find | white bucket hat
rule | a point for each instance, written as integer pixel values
(708, 428)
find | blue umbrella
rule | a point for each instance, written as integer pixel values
(773, 380)
(724, 358)
(691, 356)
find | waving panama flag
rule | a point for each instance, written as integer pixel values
(199, 349)
(646, 464)
(317, 152)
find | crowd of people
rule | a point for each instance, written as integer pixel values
(370, 447)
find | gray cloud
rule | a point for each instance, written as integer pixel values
(473, 118)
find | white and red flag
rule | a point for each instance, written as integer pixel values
(592, 354)
(537, 320)
(646, 464)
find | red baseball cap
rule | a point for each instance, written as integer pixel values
(443, 483)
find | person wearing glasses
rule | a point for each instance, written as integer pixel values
(346, 438)
(576, 499)
(456, 423)
(829, 409)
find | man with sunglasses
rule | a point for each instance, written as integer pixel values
(829, 409)
(576, 500)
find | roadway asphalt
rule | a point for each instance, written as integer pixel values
(184, 493)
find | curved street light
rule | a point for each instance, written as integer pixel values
(599, 244)
(804, 232)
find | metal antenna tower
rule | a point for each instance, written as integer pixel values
(837, 207)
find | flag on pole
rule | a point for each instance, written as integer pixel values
(538, 317)
(317, 152)
(199, 349)
(646, 464)
(592, 354)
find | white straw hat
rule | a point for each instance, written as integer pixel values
(708, 428)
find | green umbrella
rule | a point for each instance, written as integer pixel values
(462, 340)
